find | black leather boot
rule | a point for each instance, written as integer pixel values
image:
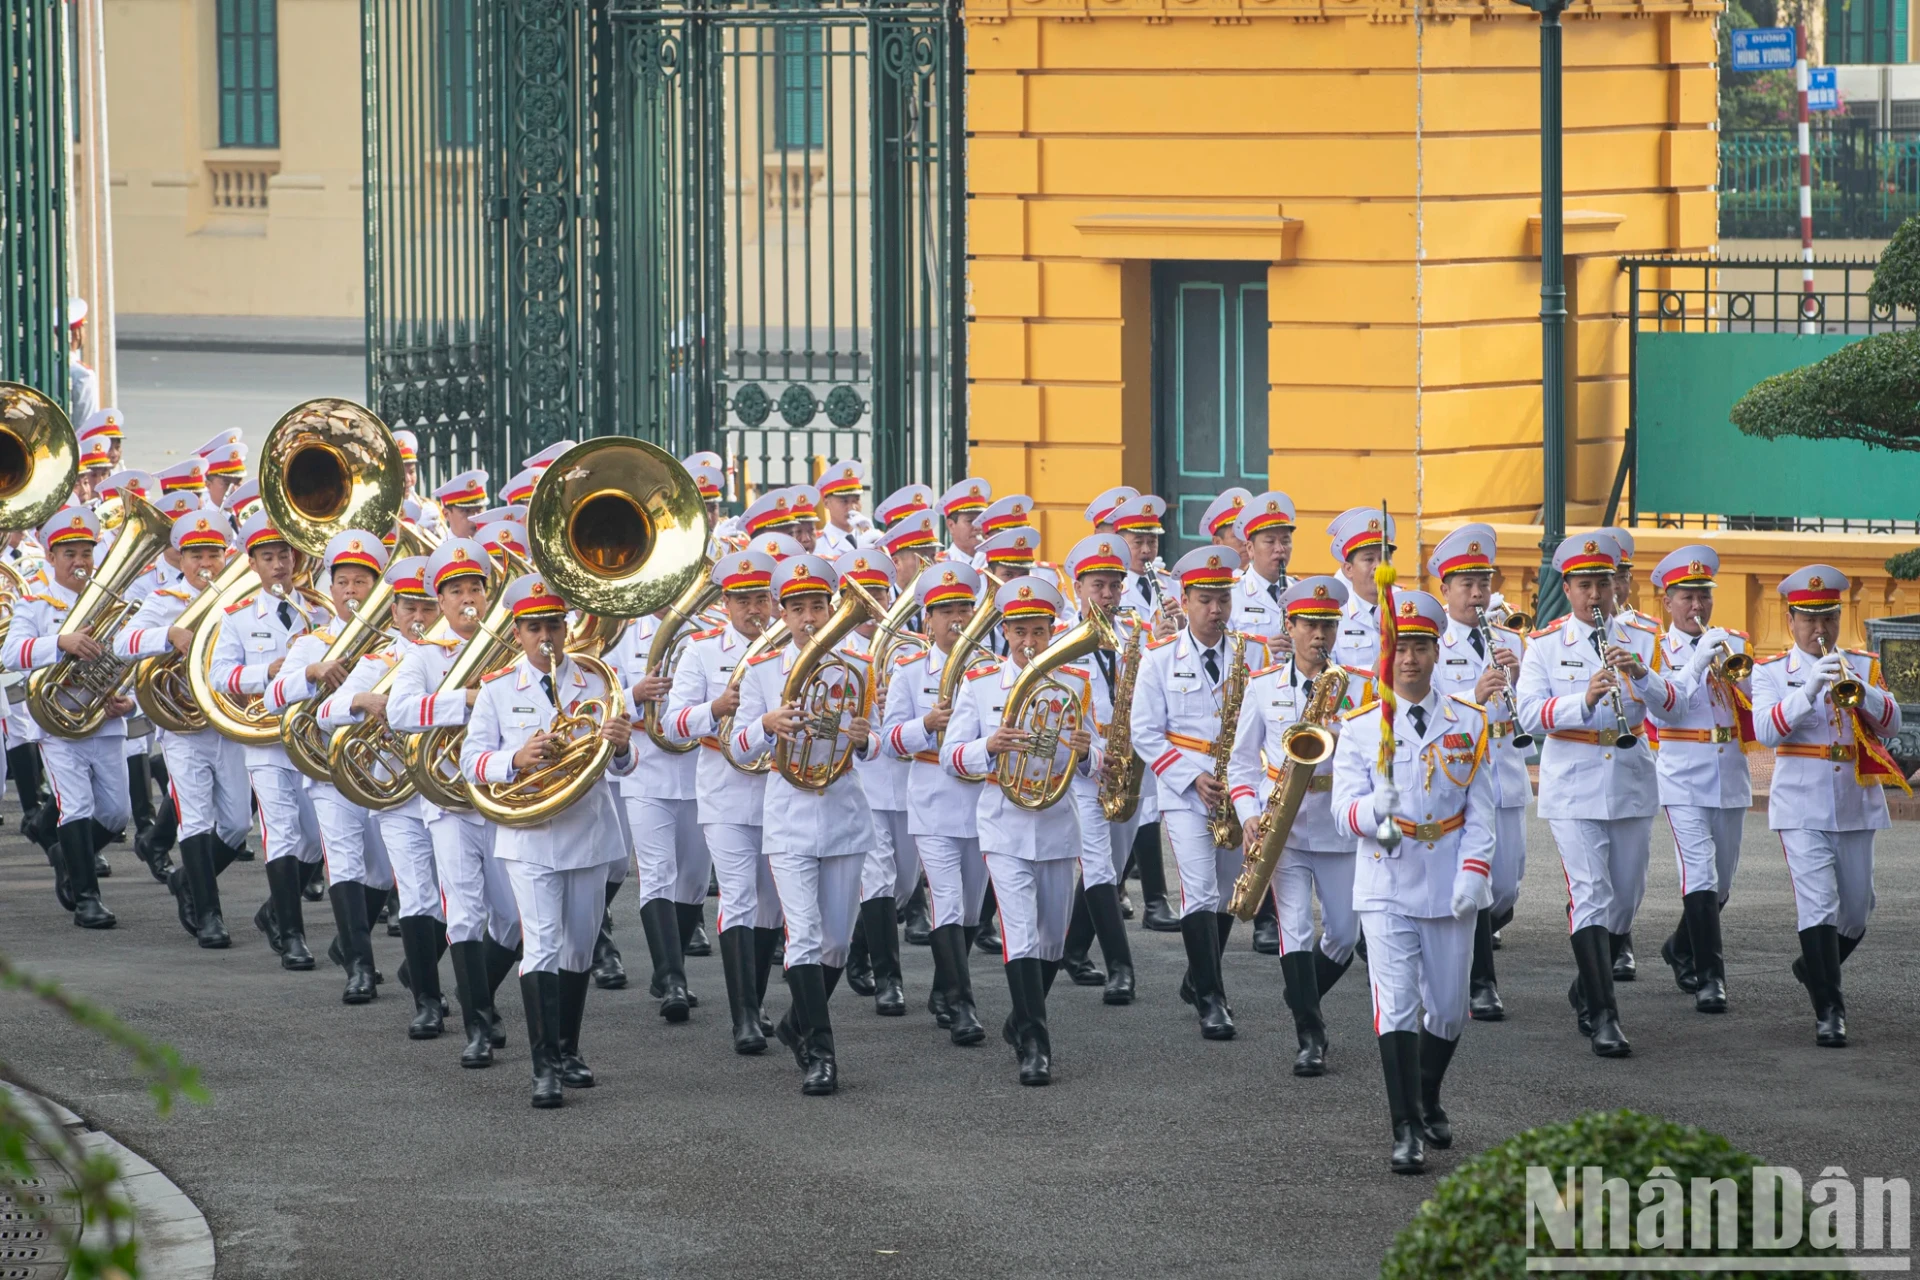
(1103, 904)
(1820, 959)
(768, 946)
(918, 928)
(1200, 931)
(1400, 1061)
(1620, 947)
(1677, 951)
(1483, 1002)
(883, 948)
(76, 851)
(1435, 1054)
(501, 961)
(574, 1071)
(284, 878)
(820, 1070)
(942, 979)
(1592, 952)
(963, 1021)
(421, 941)
(609, 971)
(1303, 997)
(743, 1001)
(660, 920)
(181, 887)
(355, 940)
(196, 858)
(693, 929)
(1034, 1044)
(1080, 968)
(1327, 971)
(313, 880)
(540, 994)
(476, 1002)
(1148, 859)
(1701, 924)
(140, 794)
(1266, 927)
(23, 766)
(859, 963)
(157, 838)
(986, 934)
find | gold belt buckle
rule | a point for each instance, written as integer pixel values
(1425, 832)
(1723, 733)
(1839, 751)
(1500, 728)
(1320, 782)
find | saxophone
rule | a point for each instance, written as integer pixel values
(1225, 827)
(1120, 784)
(1305, 745)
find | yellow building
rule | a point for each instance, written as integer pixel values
(1217, 241)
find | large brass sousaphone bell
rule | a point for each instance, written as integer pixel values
(39, 457)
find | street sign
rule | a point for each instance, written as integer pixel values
(1823, 89)
(1763, 49)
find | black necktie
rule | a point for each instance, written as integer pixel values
(1479, 645)
(1213, 666)
(1147, 584)
(1273, 589)
(1105, 658)
(1418, 715)
(546, 683)
(286, 615)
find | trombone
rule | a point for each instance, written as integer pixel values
(1622, 735)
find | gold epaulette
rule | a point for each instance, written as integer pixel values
(1081, 672)
(1163, 642)
(1465, 701)
(1638, 625)
(1764, 661)
(707, 635)
(235, 608)
(1743, 635)
(1262, 671)
(173, 593)
(765, 657)
(907, 658)
(491, 676)
(1361, 710)
(1550, 628)
(987, 668)
(1862, 653)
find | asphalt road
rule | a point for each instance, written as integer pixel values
(334, 1147)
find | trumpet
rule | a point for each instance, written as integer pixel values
(1848, 691)
(1623, 736)
(1521, 738)
(1507, 618)
(1731, 666)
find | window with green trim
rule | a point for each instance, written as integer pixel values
(248, 58)
(800, 74)
(1866, 31)
(459, 72)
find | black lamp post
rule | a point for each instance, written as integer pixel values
(1551, 601)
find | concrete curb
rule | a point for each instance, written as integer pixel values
(175, 1240)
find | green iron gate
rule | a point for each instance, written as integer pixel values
(730, 226)
(33, 240)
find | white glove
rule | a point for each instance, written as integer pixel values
(1386, 799)
(1472, 893)
(1825, 672)
(1711, 639)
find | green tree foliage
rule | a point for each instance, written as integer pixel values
(1752, 99)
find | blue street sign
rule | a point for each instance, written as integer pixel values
(1763, 49)
(1823, 89)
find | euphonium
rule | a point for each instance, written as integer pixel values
(663, 654)
(368, 760)
(769, 640)
(39, 457)
(830, 690)
(1305, 744)
(1120, 784)
(618, 529)
(891, 641)
(239, 717)
(973, 638)
(160, 683)
(1224, 826)
(433, 756)
(1049, 710)
(69, 699)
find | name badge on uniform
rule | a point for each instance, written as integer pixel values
(725, 670)
(1354, 631)
(1456, 662)
(1573, 662)
(522, 711)
(263, 635)
(1183, 675)
(1795, 684)
(998, 707)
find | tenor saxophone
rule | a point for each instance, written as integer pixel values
(1305, 745)
(1120, 784)
(1225, 827)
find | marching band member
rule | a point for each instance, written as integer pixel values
(108, 427)
(83, 384)
(206, 773)
(241, 499)
(95, 465)
(482, 919)
(941, 806)
(88, 775)
(1704, 784)
(1625, 968)
(225, 460)
(1098, 565)
(547, 456)
(188, 477)
(816, 841)
(403, 833)
(730, 801)
(1007, 512)
(150, 845)
(519, 488)
(960, 505)
(1418, 893)
(1100, 510)
(1012, 551)
(358, 870)
(1265, 528)
(430, 518)
(1579, 685)
(250, 651)
(1358, 544)
(559, 867)
(1484, 671)
(1137, 520)
(840, 486)
(1318, 854)
(711, 481)
(1221, 520)
(1185, 685)
(1029, 853)
(1830, 773)
(910, 542)
(907, 517)
(460, 499)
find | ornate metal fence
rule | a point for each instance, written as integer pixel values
(33, 241)
(1866, 181)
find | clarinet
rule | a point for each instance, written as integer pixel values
(1623, 736)
(1521, 738)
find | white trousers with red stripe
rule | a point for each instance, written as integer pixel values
(350, 841)
(1104, 845)
(1706, 843)
(207, 777)
(893, 864)
(669, 849)
(820, 897)
(410, 851)
(475, 891)
(89, 779)
(1302, 873)
(560, 914)
(1832, 874)
(1035, 900)
(288, 827)
(956, 878)
(1207, 870)
(1606, 864)
(748, 895)
(1509, 856)
(1415, 964)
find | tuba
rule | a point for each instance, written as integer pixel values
(663, 654)
(1120, 785)
(1049, 710)
(830, 689)
(433, 756)
(39, 457)
(160, 683)
(1305, 745)
(618, 529)
(69, 699)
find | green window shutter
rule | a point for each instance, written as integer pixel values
(248, 62)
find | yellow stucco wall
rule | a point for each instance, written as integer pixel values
(1385, 162)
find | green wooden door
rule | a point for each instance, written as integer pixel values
(1209, 389)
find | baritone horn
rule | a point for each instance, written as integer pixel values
(39, 457)
(618, 529)
(830, 690)
(1049, 710)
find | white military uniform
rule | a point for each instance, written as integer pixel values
(1256, 606)
(832, 542)
(1319, 851)
(892, 868)
(1357, 644)
(349, 838)
(1105, 845)
(254, 634)
(1705, 787)
(1029, 853)
(1457, 672)
(88, 775)
(1418, 952)
(1599, 799)
(941, 806)
(1825, 817)
(659, 795)
(559, 867)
